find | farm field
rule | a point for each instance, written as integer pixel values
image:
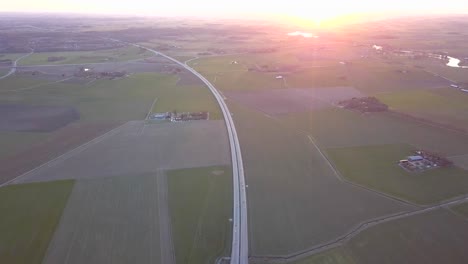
(200, 202)
(453, 74)
(121, 100)
(89, 178)
(461, 209)
(288, 180)
(460, 161)
(30, 214)
(445, 106)
(339, 128)
(228, 76)
(80, 57)
(435, 237)
(45, 146)
(377, 167)
(4, 71)
(374, 76)
(109, 220)
(330, 76)
(11, 56)
(13, 82)
(102, 105)
(13, 142)
(138, 148)
(292, 100)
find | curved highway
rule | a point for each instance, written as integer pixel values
(240, 243)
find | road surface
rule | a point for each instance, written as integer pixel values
(13, 67)
(240, 243)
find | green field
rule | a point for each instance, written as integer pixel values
(227, 76)
(336, 128)
(376, 167)
(17, 82)
(438, 67)
(30, 214)
(200, 202)
(121, 100)
(430, 238)
(289, 182)
(339, 255)
(374, 76)
(14, 142)
(11, 56)
(109, 220)
(4, 71)
(82, 57)
(319, 77)
(445, 106)
(243, 80)
(461, 209)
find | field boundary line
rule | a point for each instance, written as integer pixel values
(214, 56)
(457, 214)
(341, 240)
(344, 180)
(458, 156)
(79, 64)
(165, 232)
(14, 67)
(330, 164)
(147, 116)
(69, 153)
(423, 121)
(151, 108)
(438, 75)
(35, 86)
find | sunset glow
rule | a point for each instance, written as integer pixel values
(309, 12)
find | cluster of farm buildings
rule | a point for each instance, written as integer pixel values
(180, 117)
(423, 161)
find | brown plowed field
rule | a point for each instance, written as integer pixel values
(63, 140)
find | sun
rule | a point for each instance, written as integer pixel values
(316, 16)
(328, 12)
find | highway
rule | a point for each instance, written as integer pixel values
(240, 243)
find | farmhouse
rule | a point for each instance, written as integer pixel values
(188, 116)
(422, 161)
(364, 104)
(415, 158)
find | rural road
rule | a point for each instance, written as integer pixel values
(13, 67)
(240, 246)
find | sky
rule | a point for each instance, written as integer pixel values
(314, 10)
